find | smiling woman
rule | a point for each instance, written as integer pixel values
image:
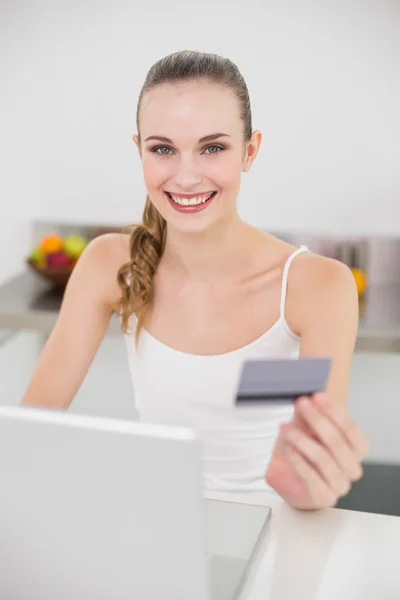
(193, 152)
(199, 292)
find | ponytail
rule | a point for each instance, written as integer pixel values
(135, 278)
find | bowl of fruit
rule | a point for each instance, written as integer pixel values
(55, 257)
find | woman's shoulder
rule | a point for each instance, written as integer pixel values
(310, 273)
(102, 259)
(114, 247)
(108, 251)
(319, 286)
(319, 273)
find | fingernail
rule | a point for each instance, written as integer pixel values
(305, 403)
(301, 398)
(321, 397)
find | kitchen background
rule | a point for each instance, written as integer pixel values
(324, 80)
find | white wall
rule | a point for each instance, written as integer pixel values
(22, 148)
(324, 79)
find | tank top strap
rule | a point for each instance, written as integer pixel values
(286, 268)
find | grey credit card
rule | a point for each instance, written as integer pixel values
(281, 379)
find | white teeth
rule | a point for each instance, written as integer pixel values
(192, 201)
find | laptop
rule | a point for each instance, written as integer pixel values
(107, 509)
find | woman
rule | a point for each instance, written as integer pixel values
(198, 291)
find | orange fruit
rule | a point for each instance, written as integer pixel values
(51, 243)
(361, 280)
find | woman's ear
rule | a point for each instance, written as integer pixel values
(136, 139)
(252, 148)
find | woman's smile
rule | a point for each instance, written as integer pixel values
(190, 202)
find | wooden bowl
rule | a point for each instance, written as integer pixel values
(58, 277)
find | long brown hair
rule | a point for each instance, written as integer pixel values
(147, 239)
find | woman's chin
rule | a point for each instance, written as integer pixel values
(190, 226)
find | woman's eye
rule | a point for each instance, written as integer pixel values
(164, 150)
(213, 149)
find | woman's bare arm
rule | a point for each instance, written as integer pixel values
(318, 454)
(89, 300)
(327, 316)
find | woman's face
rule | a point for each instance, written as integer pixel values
(193, 152)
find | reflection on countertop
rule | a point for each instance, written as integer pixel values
(27, 303)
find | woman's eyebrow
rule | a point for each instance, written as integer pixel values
(213, 136)
(206, 138)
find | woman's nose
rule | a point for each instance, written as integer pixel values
(187, 176)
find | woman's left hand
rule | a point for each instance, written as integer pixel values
(317, 455)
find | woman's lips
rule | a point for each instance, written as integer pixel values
(203, 200)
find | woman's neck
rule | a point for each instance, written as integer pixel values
(209, 255)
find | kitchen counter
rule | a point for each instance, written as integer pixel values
(28, 303)
(324, 555)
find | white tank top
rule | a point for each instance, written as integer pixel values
(198, 391)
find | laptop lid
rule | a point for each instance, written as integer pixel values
(99, 508)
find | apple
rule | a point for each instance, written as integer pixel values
(38, 256)
(58, 260)
(74, 245)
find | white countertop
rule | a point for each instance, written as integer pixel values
(27, 302)
(325, 555)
